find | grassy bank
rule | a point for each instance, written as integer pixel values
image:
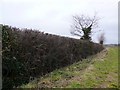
(98, 71)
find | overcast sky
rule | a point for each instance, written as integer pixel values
(55, 16)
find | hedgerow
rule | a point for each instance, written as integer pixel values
(31, 53)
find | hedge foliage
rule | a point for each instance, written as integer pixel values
(31, 53)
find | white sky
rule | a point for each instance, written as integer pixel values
(55, 16)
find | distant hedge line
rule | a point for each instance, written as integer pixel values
(27, 53)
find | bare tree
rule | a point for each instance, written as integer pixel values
(101, 38)
(82, 26)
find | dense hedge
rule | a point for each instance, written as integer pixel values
(27, 53)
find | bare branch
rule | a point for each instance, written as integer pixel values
(74, 33)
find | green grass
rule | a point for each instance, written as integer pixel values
(99, 71)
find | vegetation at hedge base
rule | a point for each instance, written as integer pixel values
(31, 53)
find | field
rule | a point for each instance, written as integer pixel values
(98, 71)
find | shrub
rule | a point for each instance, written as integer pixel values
(12, 67)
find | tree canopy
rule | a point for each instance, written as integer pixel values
(82, 26)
